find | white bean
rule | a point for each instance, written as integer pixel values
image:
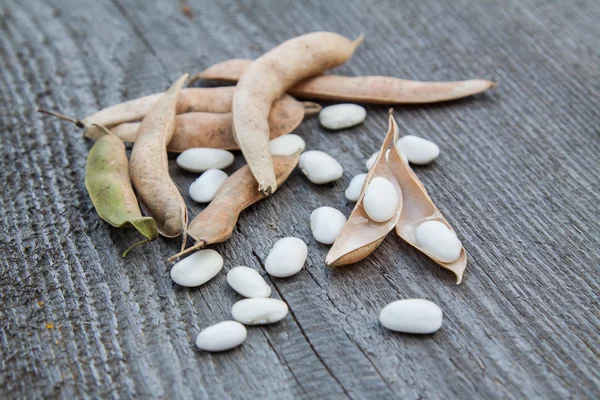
(197, 269)
(287, 145)
(326, 223)
(319, 167)
(259, 311)
(417, 150)
(222, 336)
(204, 188)
(201, 159)
(411, 316)
(342, 116)
(353, 191)
(248, 282)
(438, 240)
(381, 199)
(287, 257)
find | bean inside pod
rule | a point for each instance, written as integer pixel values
(419, 208)
(361, 234)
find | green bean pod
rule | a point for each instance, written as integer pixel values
(109, 186)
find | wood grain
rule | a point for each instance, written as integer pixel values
(517, 178)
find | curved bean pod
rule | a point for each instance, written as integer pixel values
(109, 186)
(211, 100)
(267, 78)
(149, 166)
(359, 89)
(418, 208)
(361, 235)
(217, 221)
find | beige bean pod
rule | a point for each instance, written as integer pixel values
(210, 100)
(217, 221)
(362, 235)
(359, 89)
(149, 166)
(269, 77)
(418, 208)
(213, 130)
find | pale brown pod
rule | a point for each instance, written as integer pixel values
(267, 78)
(213, 130)
(150, 170)
(418, 208)
(210, 100)
(214, 100)
(217, 221)
(359, 89)
(361, 235)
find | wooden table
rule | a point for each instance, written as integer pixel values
(517, 177)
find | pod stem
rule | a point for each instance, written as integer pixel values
(134, 245)
(311, 108)
(61, 116)
(200, 244)
(184, 239)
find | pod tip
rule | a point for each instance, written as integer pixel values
(194, 78)
(266, 189)
(459, 278)
(359, 40)
(311, 108)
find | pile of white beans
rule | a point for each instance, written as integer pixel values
(286, 258)
(289, 254)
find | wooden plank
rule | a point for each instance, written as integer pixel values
(517, 178)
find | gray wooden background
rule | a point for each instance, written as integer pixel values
(517, 177)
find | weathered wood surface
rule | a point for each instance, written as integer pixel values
(517, 177)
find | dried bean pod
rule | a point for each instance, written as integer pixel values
(359, 89)
(267, 78)
(109, 186)
(149, 166)
(361, 235)
(213, 130)
(418, 208)
(216, 222)
(210, 100)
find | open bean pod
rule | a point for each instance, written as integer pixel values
(217, 221)
(418, 208)
(109, 186)
(362, 235)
